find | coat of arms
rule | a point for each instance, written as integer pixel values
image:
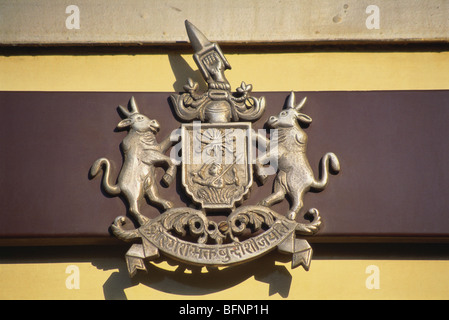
(217, 168)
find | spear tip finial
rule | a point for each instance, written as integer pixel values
(197, 39)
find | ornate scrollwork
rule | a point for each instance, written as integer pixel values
(252, 217)
(194, 222)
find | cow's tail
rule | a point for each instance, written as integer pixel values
(104, 164)
(329, 161)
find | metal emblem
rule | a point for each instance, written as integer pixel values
(217, 168)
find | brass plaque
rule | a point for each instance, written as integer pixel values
(218, 153)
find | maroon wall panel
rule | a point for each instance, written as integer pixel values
(392, 145)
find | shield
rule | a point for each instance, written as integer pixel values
(216, 163)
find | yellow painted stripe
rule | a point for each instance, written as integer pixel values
(327, 279)
(267, 72)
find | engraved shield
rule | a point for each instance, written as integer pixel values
(216, 163)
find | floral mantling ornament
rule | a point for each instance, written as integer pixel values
(217, 172)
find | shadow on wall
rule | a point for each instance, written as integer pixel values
(182, 71)
(197, 282)
(182, 280)
(189, 280)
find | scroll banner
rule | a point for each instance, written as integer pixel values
(156, 238)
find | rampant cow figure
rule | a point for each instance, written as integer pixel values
(295, 176)
(142, 153)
